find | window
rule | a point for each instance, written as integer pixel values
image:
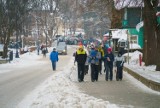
(122, 44)
(134, 39)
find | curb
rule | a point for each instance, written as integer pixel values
(149, 83)
(3, 61)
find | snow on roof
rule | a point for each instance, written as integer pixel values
(139, 25)
(119, 4)
(107, 34)
(119, 34)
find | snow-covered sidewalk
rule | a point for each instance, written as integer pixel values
(147, 72)
(60, 92)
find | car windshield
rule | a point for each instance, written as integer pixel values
(60, 47)
(61, 44)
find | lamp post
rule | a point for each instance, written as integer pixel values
(37, 36)
(17, 55)
(128, 39)
(22, 37)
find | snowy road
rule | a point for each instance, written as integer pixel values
(14, 85)
(17, 82)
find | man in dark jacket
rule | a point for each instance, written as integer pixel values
(109, 58)
(54, 58)
(80, 58)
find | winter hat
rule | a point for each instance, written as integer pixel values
(109, 49)
(119, 53)
(96, 48)
(54, 49)
(92, 46)
(81, 47)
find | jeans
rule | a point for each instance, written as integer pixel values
(119, 74)
(109, 71)
(94, 72)
(54, 65)
(81, 69)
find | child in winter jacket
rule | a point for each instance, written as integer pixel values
(109, 59)
(119, 64)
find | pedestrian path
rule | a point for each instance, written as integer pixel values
(147, 77)
(123, 93)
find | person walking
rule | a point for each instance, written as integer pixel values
(109, 59)
(80, 58)
(119, 64)
(44, 52)
(101, 59)
(54, 58)
(94, 61)
(86, 63)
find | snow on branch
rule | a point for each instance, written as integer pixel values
(119, 4)
(158, 14)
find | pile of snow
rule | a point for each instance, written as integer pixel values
(133, 57)
(148, 72)
(134, 46)
(59, 91)
(24, 60)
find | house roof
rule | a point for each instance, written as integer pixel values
(119, 34)
(119, 4)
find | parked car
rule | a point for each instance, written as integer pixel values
(72, 40)
(62, 48)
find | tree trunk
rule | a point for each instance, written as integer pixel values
(116, 20)
(149, 33)
(158, 49)
(6, 43)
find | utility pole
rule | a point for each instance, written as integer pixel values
(17, 55)
(128, 38)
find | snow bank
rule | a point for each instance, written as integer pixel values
(133, 57)
(148, 72)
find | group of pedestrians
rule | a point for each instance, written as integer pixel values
(94, 56)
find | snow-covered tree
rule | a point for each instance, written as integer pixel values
(12, 14)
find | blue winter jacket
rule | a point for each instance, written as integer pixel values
(54, 56)
(94, 57)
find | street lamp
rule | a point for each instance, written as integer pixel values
(22, 37)
(128, 40)
(17, 55)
